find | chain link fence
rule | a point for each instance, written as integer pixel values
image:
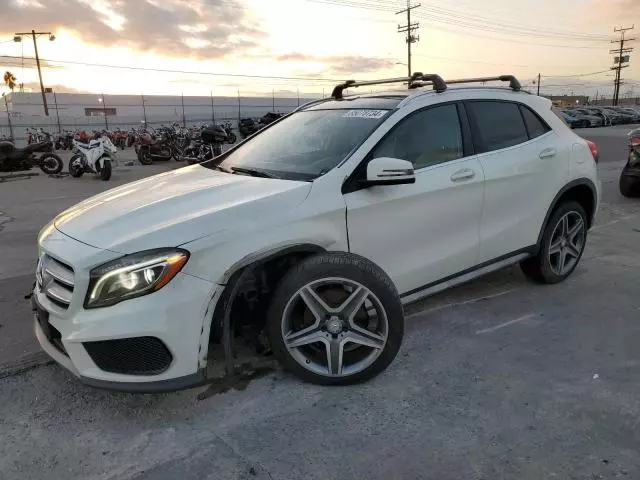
(71, 112)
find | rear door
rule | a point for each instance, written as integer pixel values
(421, 232)
(525, 164)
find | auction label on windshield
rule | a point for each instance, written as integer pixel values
(365, 114)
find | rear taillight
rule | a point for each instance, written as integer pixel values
(634, 141)
(594, 150)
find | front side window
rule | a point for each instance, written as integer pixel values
(426, 138)
(497, 125)
(305, 145)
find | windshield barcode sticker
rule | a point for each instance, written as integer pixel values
(365, 114)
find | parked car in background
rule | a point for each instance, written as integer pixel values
(634, 113)
(630, 176)
(584, 114)
(616, 117)
(574, 121)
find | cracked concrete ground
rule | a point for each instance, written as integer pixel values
(499, 378)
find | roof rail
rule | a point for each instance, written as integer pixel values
(514, 84)
(438, 84)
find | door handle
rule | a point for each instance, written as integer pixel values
(548, 153)
(464, 174)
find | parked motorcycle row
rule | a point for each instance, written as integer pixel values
(96, 152)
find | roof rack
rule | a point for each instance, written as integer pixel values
(514, 84)
(420, 80)
(438, 84)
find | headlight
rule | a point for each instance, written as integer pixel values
(133, 276)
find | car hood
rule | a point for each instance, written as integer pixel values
(176, 207)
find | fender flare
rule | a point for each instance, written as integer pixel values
(574, 183)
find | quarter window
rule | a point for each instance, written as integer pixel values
(535, 126)
(497, 125)
(426, 138)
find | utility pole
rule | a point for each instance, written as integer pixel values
(409, 28)
(620, 59)
(18, 38)
(539, 76)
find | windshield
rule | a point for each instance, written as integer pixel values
(305, 145)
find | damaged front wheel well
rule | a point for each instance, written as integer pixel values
(247, 295)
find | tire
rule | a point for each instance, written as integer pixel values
(75, 170)
(105, 172)
(629, 186)
(51, 164)
(144, 156)
(543, 268)
(231, 138)
(326, 271)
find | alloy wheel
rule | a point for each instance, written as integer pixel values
(334, 327)
(567, 243)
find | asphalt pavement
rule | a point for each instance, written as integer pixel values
(497, 379)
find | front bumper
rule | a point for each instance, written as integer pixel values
(174, 317)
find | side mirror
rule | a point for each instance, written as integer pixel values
(389, 171)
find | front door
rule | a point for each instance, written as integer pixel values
(422, 232)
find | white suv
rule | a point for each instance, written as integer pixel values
(315, 231)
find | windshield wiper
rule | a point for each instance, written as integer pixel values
(253, 172)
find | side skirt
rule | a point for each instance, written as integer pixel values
(466, 275)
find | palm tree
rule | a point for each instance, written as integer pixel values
(10, 80)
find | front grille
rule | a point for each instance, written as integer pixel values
(56, 280)
(130, 356)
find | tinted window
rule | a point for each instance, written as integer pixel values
(426, 138)
(497, 125)
(535, 126)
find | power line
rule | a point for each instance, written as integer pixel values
(578, 74)
(186, 72)
(534, 31)
(455, 17)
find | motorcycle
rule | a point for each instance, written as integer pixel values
(14, 159)
(209, 145)
(629, 183)
(93, 157)
(248, 126)
(231, 137)
(63, 141)
(153, 147)
(118, 138)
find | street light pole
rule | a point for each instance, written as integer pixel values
(18, 38)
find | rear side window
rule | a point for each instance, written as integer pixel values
(535, 126)
(496, 125)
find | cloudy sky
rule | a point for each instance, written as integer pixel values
(307, 45)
